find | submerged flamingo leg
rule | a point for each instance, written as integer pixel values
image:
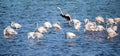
(93, 34)
(99, 34)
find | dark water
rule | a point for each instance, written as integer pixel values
(27, 12)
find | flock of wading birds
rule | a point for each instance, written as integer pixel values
(88, 27)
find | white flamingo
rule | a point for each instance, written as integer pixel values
(33, 35)
(42, 29)
(76, 21)
(100, 28)
(47, 24)
(70, 35)
(92, 28)
(111, 33)
(110, 21)
(8, 31)
(15, 25)
(115, 28)
(57, 26)
(117, 20)
(77, 24)
(100, 19)
(38, 35)
(88, 24)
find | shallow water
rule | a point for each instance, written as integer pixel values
(27, 12)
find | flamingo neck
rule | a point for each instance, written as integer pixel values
(87, 21)
(37, 25)
(61, 11)
(12, 23)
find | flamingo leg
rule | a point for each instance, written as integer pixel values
(38, 39)
(99, 34)
(31, 40)
(93, 34)
(69, 23)
(12, 37)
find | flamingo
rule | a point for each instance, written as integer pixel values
(111, 33)
(76, 21)
(117, 20)
(92, 28)
(8, 31)
(77, 27)
(38, 35)
(88, 24)
(70, 35)
(110, 21)
(100, 28)
(57, 26)
(114, 28)
(86, 27)
(33, 35)
(15, 25)
(100, 19)
(47, 24)
(77, 24)
(42, 29)
(66, 16)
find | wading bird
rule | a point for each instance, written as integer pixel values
(57, 26)
(42, 29)
(15, 25)
(111, 33)
(100, 29)
(117, 20)
(110, 21)
(47, 24)
(33, 35)
(70, 35)
(114, 28)
(76, 21)
(88, 24)
(37, 33)
(8, 31)
(77, 24)
(65, 15)
(100, 19)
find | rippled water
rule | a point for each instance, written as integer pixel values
(27, 12)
